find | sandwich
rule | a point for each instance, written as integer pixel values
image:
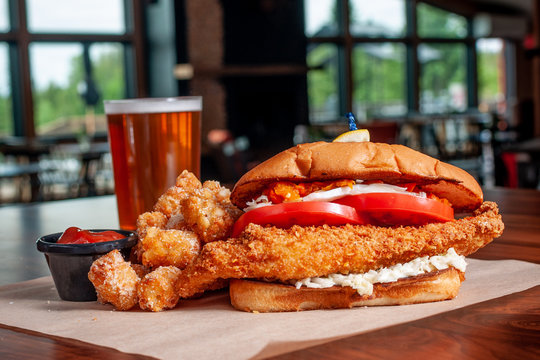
(343, 224)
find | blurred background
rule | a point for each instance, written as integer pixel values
(458, 80)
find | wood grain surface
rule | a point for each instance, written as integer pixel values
(506, 328)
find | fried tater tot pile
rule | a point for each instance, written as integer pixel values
(187, 216)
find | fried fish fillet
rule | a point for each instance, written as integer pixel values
(300, 252)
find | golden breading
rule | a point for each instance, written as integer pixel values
(302, 252)
(150, 219)
(156, 291)
(115, 281)
(144, 221)
(209, 212)
(162, 247)
(170, 202)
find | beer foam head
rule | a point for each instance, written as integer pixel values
(153, 105)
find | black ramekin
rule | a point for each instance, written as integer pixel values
(69, 263)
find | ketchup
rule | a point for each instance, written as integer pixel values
(74, 235)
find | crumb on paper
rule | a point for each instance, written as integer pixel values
(94, 319)
(11, 303)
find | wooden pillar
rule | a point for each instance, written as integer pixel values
(205, 48)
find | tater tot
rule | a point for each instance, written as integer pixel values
(170, 202)
(210, 213)
(188, 180)
(115, 281)
(215, 186)
(149, 219)
(169, 247)
(144, 221)
(156, 291)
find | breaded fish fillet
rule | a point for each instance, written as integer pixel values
(301, 252)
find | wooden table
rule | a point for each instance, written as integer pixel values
(508, 327)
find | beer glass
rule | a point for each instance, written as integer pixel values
(152, 140)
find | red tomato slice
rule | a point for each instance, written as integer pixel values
(307, 213)
(389, 209)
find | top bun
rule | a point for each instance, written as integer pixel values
(392, 164)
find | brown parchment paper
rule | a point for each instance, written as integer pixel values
(210, 328)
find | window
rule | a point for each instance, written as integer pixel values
(82, 16)
(491, 88)
(6, 118)
(391, 58)
(434, 22)
(4, 20)
(379, 80)
(321, 19)
(323, 84)
(385, 19)
(64, 101)
(443, 87)
(71, 56)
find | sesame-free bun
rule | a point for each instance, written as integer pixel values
(392, 164)
(259, 296)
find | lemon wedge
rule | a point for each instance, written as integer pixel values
(360, 135)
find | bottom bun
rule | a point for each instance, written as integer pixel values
(258, 296)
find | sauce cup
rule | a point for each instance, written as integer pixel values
(70, 263)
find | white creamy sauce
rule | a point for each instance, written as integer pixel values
(363, 283)
(331, 195)
(257, 203)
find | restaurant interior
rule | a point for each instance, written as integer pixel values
(155, 271)
(458, 80)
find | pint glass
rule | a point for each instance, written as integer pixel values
(152, 141)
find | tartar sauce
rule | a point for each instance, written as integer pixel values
(363, 283)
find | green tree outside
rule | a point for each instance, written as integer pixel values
(55, 104)
(6, 121)
(488, 76)
(379, 77)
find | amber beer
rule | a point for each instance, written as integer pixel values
(152, 141)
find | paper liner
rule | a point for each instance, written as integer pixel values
(209, 328)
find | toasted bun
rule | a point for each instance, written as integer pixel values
(257, 296)
(393, 164)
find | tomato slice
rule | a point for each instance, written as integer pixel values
(390, 209)
(307, 213)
